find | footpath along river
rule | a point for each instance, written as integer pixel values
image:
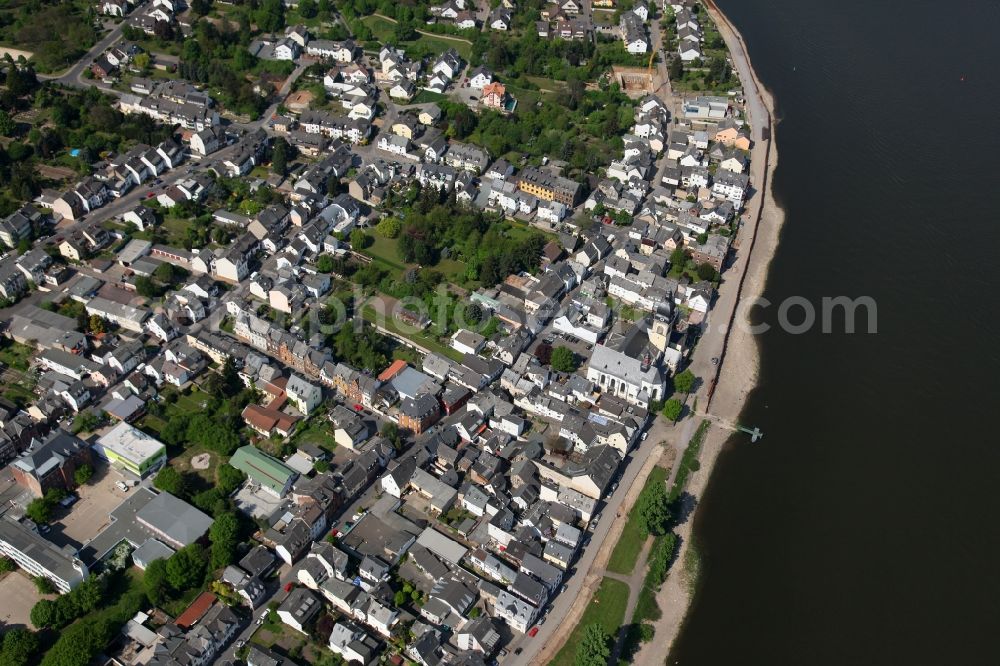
(861, 529)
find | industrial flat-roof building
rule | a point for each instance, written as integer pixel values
(40, 557)
(130, 448)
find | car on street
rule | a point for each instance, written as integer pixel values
(715, 360)
(533, 632)
(288, 586)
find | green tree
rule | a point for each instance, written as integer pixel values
(359, 239)
(307, 8)
(144, 286)
(684, 381)
(389, 227)
(186, 567)
(672, 409)
(97, 325)
(171, 481)
(324, 263)
(706, 271)
(7, 565)
(563, 359)
(280, 154)
(201, 7)
(154, 580)
(39, 510)
(676, 70)
(653, 509)
(7, 124)
(43, 585)
(594, 648)
(224, 537)
(83, 474)
(19, 646)
(270, 15)
(228, 478)
(43, 613)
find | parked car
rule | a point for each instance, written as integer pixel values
(533, 632)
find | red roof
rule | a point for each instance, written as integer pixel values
(196, 610)
(393, 370)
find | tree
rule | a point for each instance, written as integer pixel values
(141, 60)
(359, 239)
(672, 409)
(224, 536)
(653, 509)
(97, 325)
(83, 474)
(270, 16)
(43, 585)
(706, 271)
(324, 263)
(7, 124)
(19, 646)
(201, 7)
(144, 286)
(676, 70)
(169, 480)
(307, 8)
(7, 565)
(389, 227)
(228, 478)
(684, 381)
(594, 648)
(279, 156)
(43, 613)
(543, 353)
(563, 359)
(186, 567)
(154, 580)
(39, 510)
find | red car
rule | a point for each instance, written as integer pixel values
(533, 632)
(288, 586)
(150, 195)
(358, 408)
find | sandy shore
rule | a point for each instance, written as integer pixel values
(739, 368)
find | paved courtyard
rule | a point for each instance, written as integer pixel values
(19, 597)
(92, 512)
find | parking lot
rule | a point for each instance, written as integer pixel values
(92, 512)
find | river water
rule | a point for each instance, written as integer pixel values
(863, 528)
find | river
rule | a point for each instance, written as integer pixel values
(863, 528)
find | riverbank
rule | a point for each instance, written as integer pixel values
(738, 368)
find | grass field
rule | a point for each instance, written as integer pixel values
(606, 608)
(385, 252)
(626, 552)
(384, 31)
(16, 355)
(317, 433)
(423, 338)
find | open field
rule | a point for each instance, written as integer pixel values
(384, 31)
(606, 608)
(633, 536)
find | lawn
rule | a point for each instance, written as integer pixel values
(385, 251)
(384, 31)
(423, 338)
(16, 355)
(606, 608)
(427, 96)
(630, 543)
(317, 432)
